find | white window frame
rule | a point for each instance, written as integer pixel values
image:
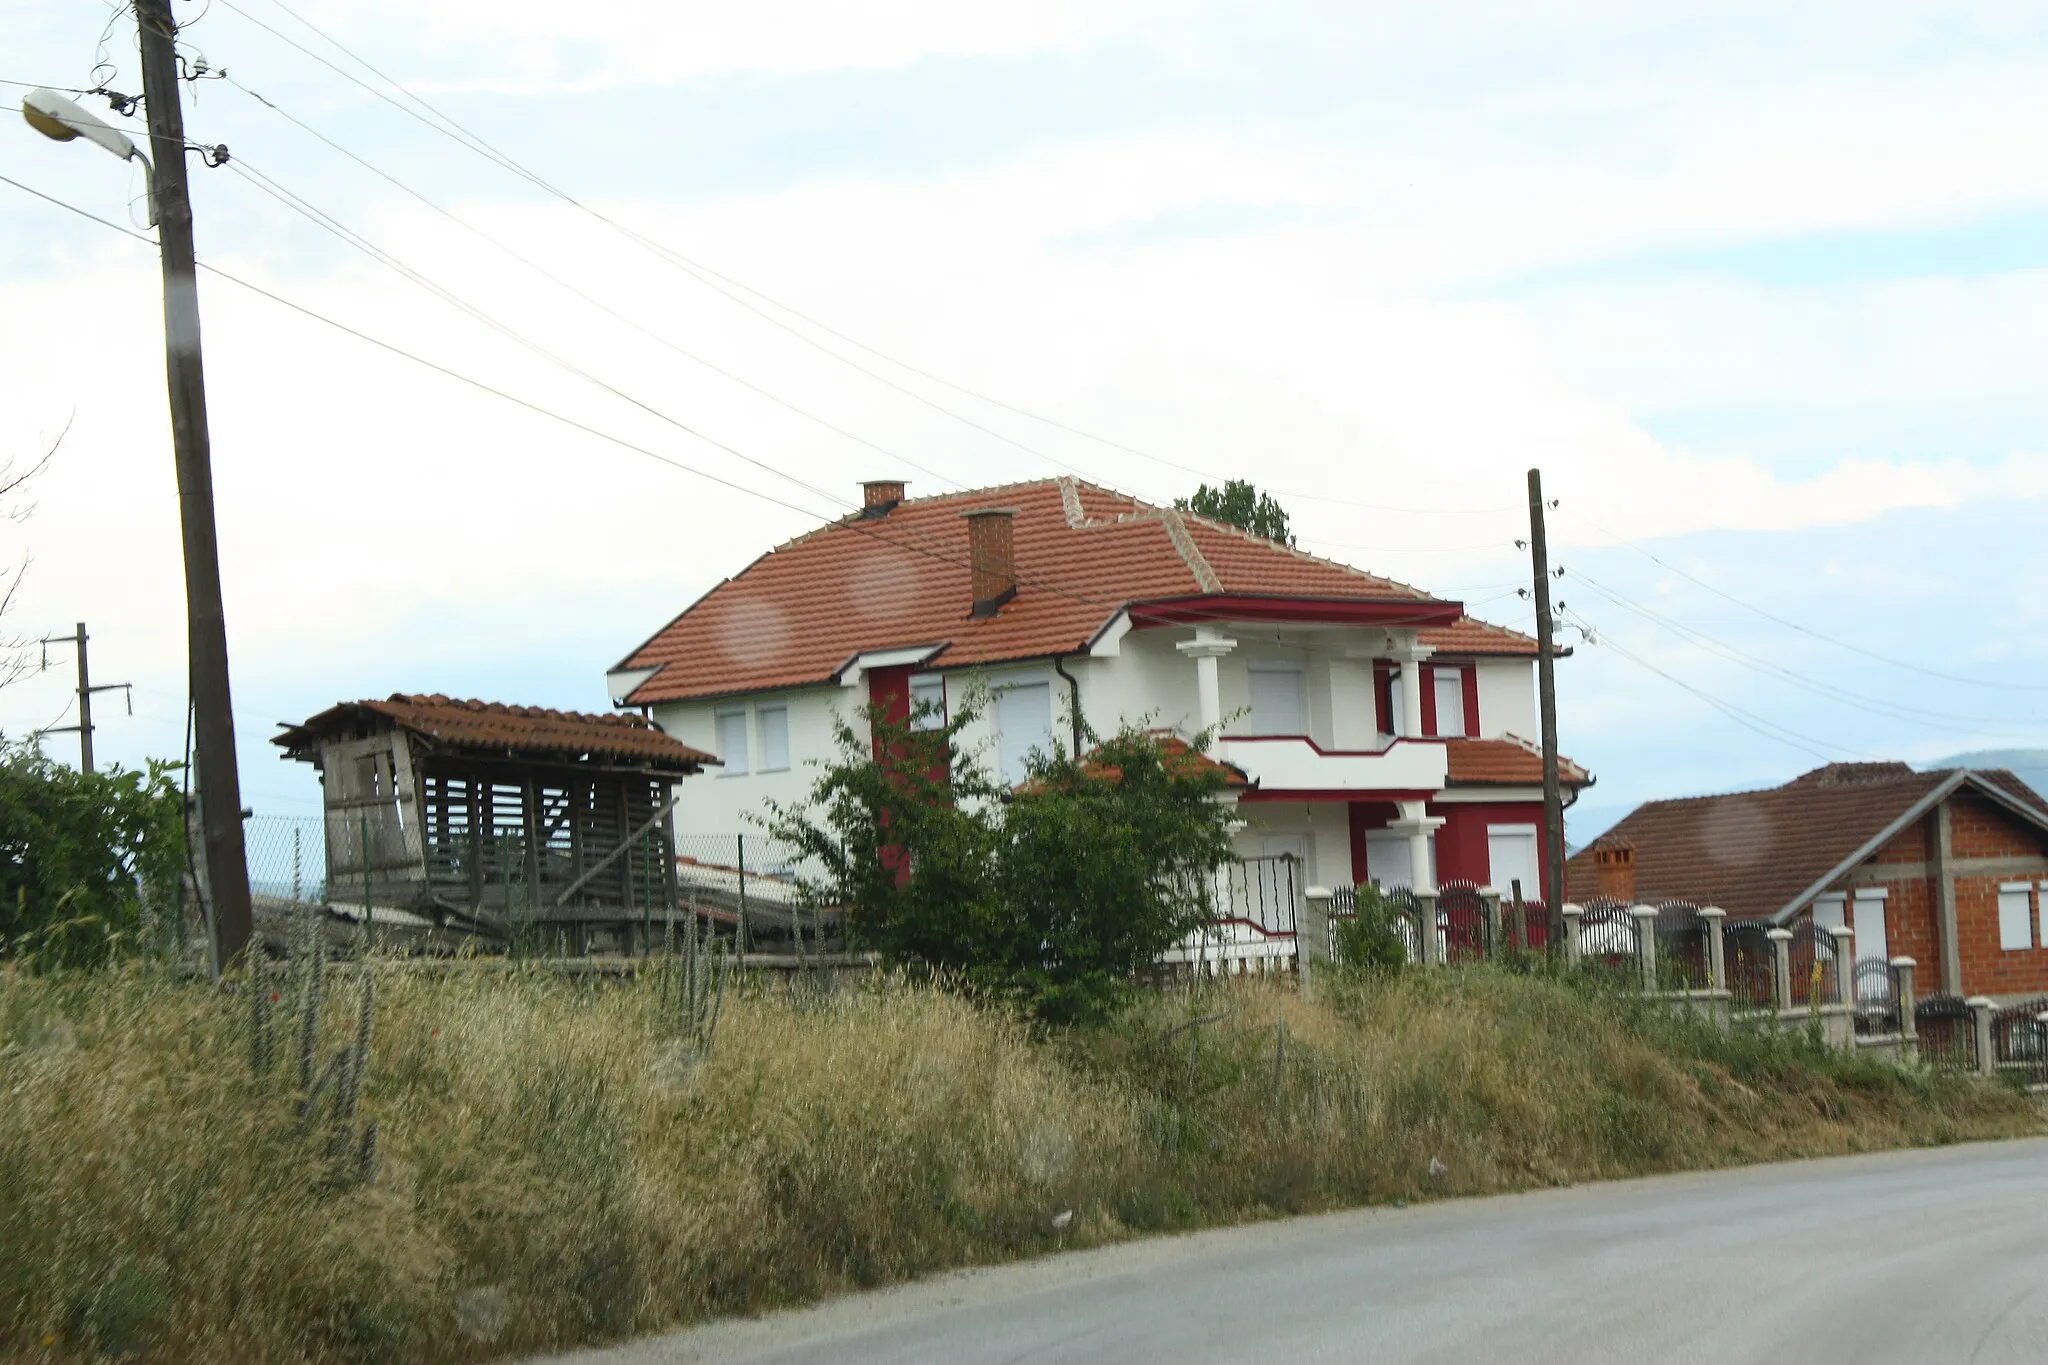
(1455, 674)
(2015, 917)
(718, 719)
(761, 714)
(928, 680)
(997, 691)
(1297, 671)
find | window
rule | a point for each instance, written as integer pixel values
(2014, 912)
(1511, 857)
(1023, 723)
(732, 741)
(1276, 700)
(1829, 911)
(1388, 859)
(1867, 920)
(1450, 701)
(928, 703)
(774, 739)
(1396, 725)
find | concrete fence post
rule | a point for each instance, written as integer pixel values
(1781, 967)
(1646, 945)
(1981, 1010)
(1433, 954)
(1712, 918)
(1572, 916)
(1845, 963)
(1489, 901)
(1312, 935)
(1909, 1033)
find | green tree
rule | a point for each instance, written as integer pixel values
(1372, 937)
(1239, 504)
(79, 851)
(1053, 895)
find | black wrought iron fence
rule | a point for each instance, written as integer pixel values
(1751, 962)
(1462, 927)
(1682, 947)
(1608, 933)
(1877, 998)
(1947, 1031)
(1263, 894)
(2019, 1042)
(1406, 916)
(1815, 979)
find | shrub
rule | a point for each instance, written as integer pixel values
(1053, 894)
(1371, 939)
(80, 852)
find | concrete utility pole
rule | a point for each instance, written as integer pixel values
(85, 695)
(1546, 693)
(220, 788)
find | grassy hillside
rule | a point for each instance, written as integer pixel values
(554, 1166)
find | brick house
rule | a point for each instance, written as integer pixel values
(1949, 868)
(1380, 732)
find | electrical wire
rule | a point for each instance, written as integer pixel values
(588, 298)
(1805, 630)
(726, 285)
(1874, 705)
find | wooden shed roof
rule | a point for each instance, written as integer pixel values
(498, 729)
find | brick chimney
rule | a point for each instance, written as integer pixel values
(992, 563)
(879, 496)
(1614, 869)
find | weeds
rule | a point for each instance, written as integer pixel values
(556, 1163)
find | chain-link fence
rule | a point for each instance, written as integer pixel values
(287, 858)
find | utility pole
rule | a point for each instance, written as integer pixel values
(1546, 693)
(85, 695)
(220, 788)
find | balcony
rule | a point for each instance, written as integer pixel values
(1296, 766)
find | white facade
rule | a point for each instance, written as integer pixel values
(1293, 707)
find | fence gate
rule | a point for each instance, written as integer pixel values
(1947, 1031)
(1462, 930)
(2019, 1043)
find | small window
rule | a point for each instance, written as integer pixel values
(1277, 707)
(774, 739)
(732, 741)
(1511, 857)
(1450, 701)
(1023, 724)
(2015, 910)
(928, 703)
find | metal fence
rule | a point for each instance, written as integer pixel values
(2019, 1042)
(1262, 894)
(1947, 1031)
(1877, 998)
(1682, 954)
(287, 857)
(1608, 933)
(1815, 978)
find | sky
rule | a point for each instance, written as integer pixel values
(1762, 289)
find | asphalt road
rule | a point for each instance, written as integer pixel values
(1915, 1257)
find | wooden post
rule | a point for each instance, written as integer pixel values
(1546, 691)
(369, 906)
(742, 933)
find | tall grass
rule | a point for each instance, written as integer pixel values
(558, 1163)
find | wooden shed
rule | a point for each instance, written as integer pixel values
(492, 817)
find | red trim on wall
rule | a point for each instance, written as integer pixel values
(1346, 794)
(1383, 694)
(1428, 672)
(1471, 678)
(1181, 611)
(1327, 753)
(1461, 852)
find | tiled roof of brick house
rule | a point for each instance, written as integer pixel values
(496, 727)
(1506, 762)
(799, 613)
(1762, 853)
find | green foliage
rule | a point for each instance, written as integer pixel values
(1053, 894)
(1371, 939)
(1239, 504)
(78, 854)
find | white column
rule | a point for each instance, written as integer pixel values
(1410, 653)
(1418, 826)
(1209, 645)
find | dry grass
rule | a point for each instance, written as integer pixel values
(557, 1166)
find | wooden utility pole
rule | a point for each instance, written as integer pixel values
(1546, 693)
(85, 695)
(213, 726)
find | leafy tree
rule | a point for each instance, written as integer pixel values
(1239, 504)
(79, 851)
(1052, 895)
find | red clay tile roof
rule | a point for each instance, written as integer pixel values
(498, 727)
(1508, 762)
(1472, 636)
(798, 613)
(1754, 853)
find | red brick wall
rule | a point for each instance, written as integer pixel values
(1915, 845)
(1987, 968)
(1978, 829)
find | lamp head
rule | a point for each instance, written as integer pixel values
(54, 116)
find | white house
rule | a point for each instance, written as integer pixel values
(1379, 729)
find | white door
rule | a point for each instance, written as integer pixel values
(1511, 855)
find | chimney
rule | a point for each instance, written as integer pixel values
(878, 496)
(992, 563)
(1614, 869)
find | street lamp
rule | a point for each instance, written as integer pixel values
(62, 120)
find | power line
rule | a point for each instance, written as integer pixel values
(1807, 630)
(725, 285)
(1878, 706)
(591, 299)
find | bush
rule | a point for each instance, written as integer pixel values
(1053, 894)
(1372, 939)
(80, 853)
